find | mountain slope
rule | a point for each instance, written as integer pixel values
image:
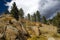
(11, 29)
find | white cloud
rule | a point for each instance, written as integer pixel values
(46, 7)
(29, 6)
(47, 4)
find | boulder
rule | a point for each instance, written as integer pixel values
(11, 33)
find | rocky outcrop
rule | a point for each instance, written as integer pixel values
(11, 33)
(11, 29)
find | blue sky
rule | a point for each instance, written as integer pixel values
(3, 7)
(47, 8)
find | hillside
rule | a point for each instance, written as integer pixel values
(11, 29)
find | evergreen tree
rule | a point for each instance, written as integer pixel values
(21, 13)
(28, 16)
(34, 17)
(38, 16)
(49, 21)
(31, 17)
(56, 20)
(44, 20)
(15, 12)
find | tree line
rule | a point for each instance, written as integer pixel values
(36, 17)
(56, 21)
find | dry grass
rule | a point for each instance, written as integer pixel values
(37, 38)
(31, 27)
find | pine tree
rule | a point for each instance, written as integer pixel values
(44, 20)
(56, 21)
(34, 17)
(15, 12)
(21, 13)
(49, 21)
(31, 17)
(38, 16)
(28, 16)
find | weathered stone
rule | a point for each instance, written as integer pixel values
(11, 33)
(36, 30)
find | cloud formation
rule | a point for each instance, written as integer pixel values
(29, 6)
(3, 7)
(47, 8)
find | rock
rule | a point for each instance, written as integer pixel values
(1, 35)
(13, 20)
(51, 38)
(1, 31)
(48, 29)
(36, 30)
(11, 32)
(11, 29)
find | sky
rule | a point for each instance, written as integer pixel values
(47, 8)
(3, 7)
